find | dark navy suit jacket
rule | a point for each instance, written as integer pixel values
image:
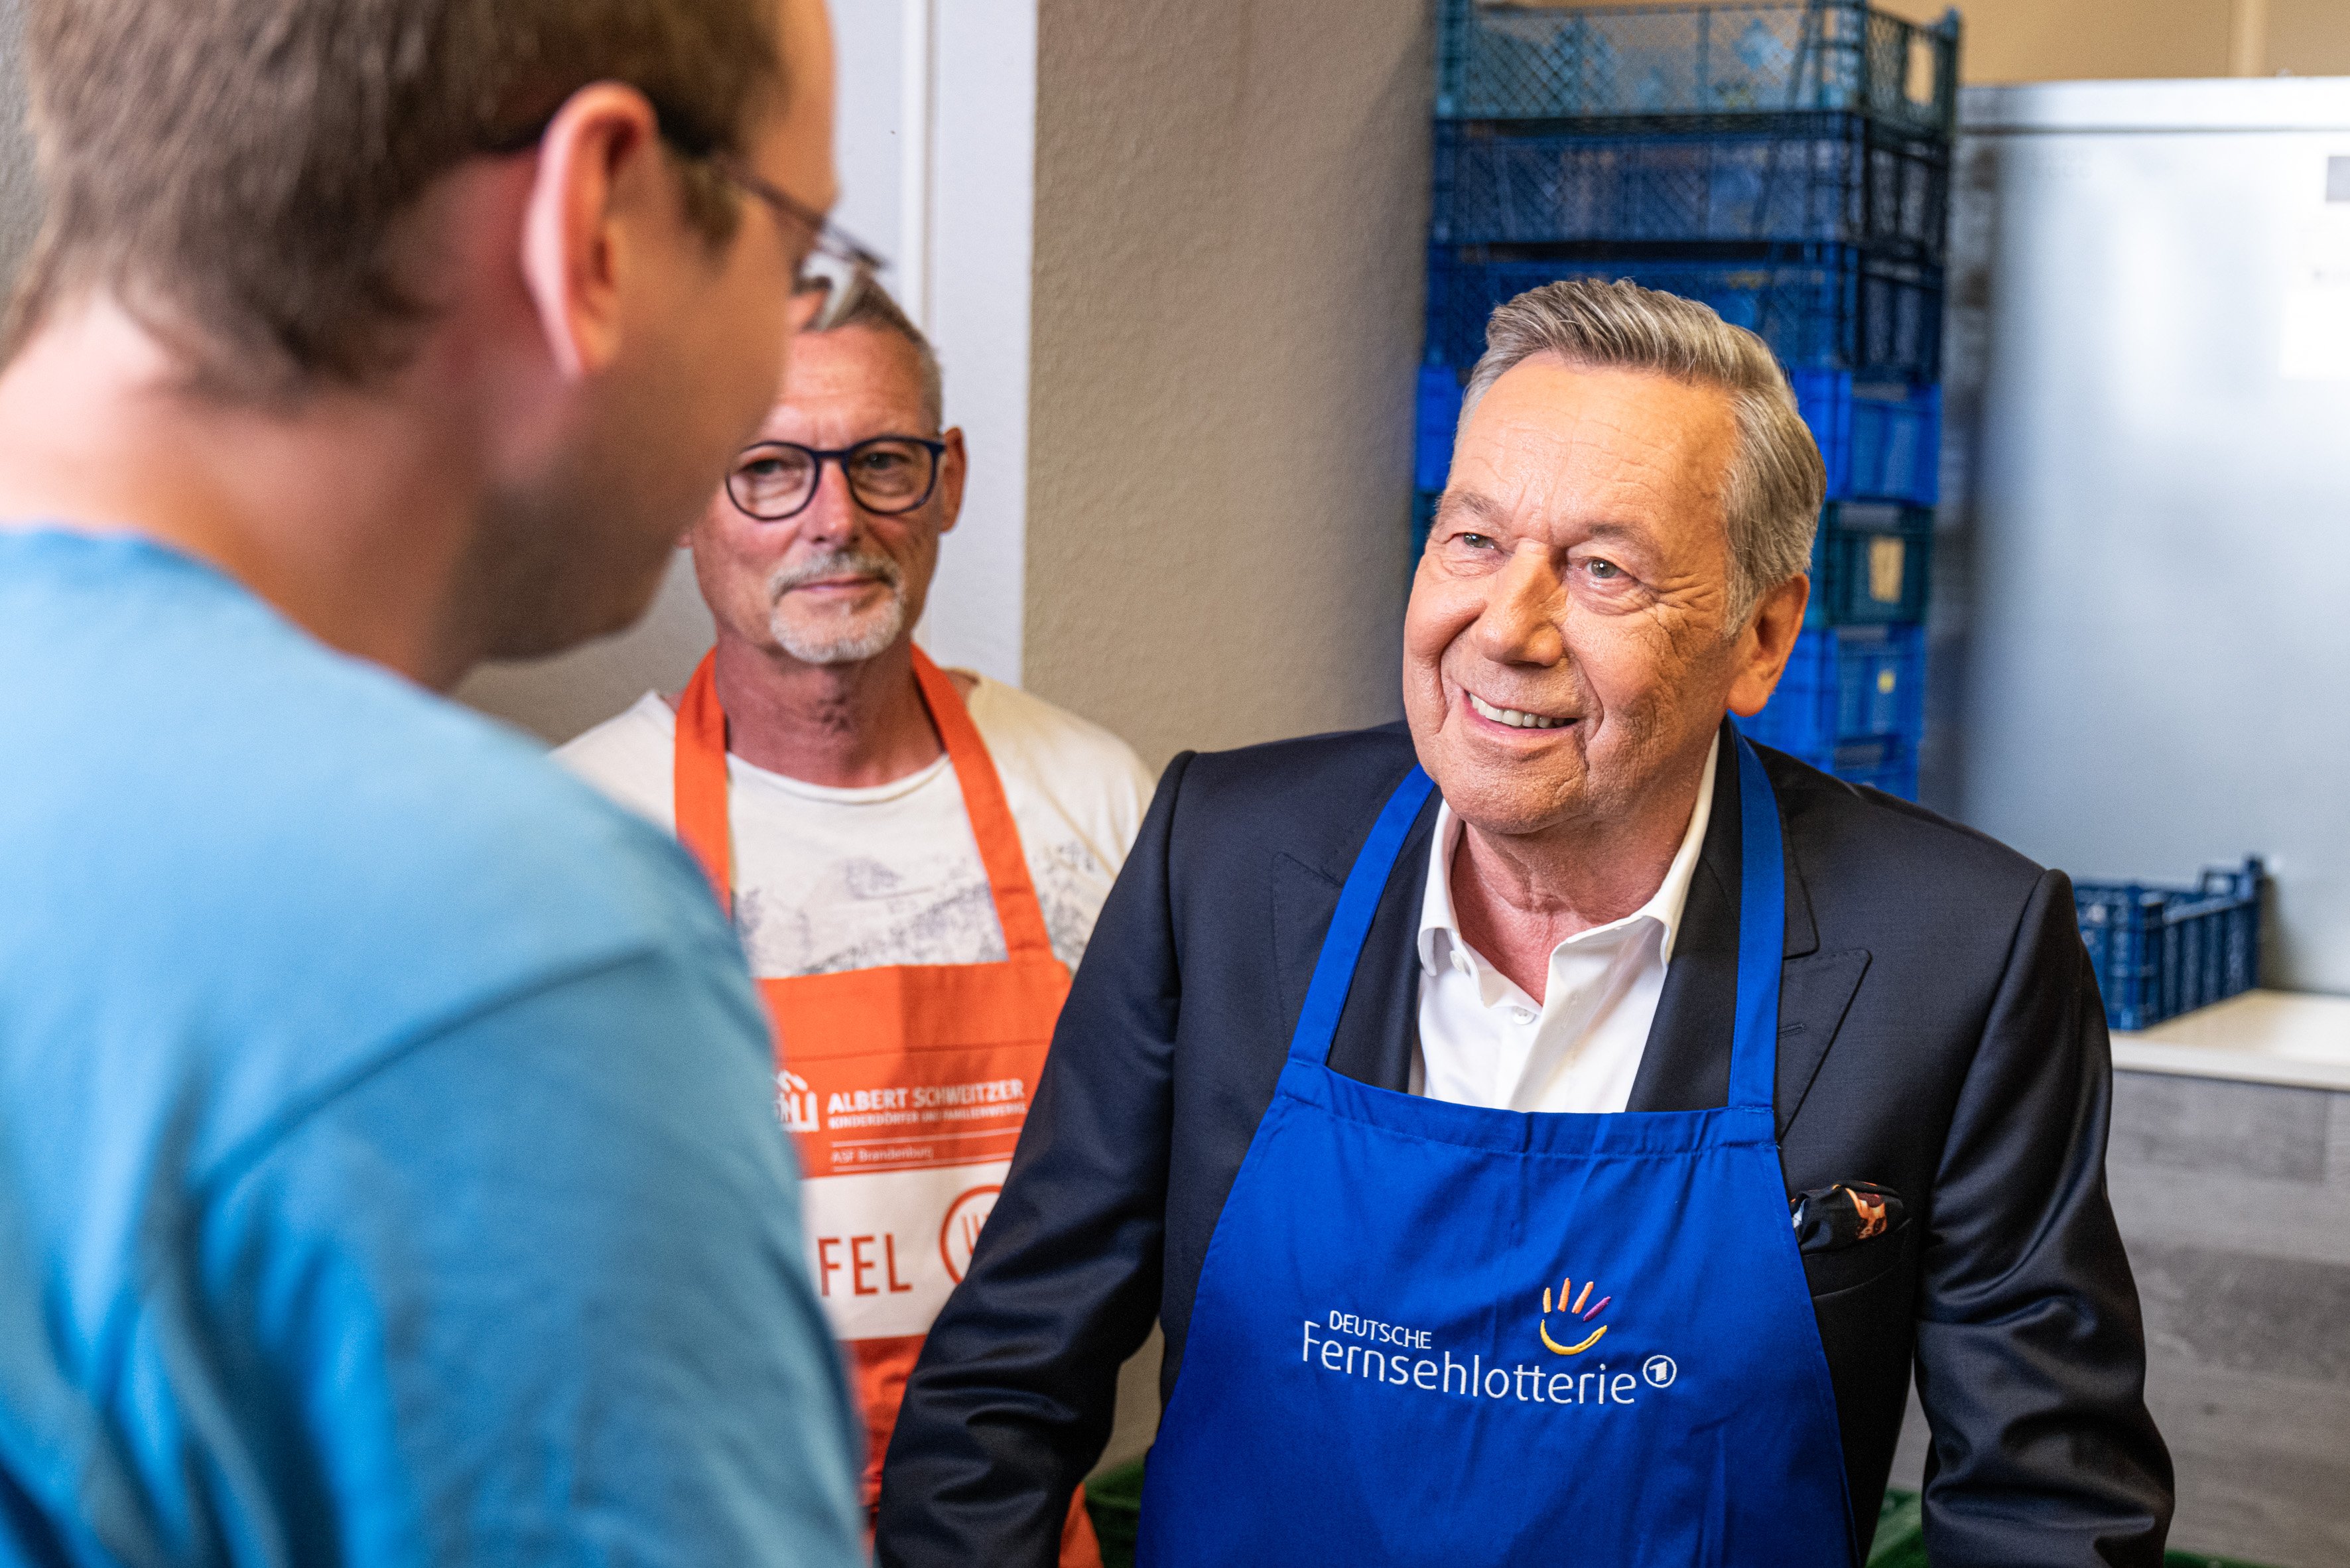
(1940, 1032)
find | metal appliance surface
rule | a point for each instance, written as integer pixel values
(2150, 452)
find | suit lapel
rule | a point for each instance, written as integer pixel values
(1814, 994)
(1686, 1066)
(1379, 1028)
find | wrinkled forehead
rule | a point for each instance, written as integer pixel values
(1555, 442)
(847, 385)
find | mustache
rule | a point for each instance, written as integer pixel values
(835, 563)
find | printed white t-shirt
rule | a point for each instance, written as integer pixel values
(834, 879)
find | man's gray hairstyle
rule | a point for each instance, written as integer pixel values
(875, 309)
(1777, 481)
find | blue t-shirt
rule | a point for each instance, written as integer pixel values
(388, 1167)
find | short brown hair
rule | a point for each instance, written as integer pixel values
(233, 171)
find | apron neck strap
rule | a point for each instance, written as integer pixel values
(1762, 934)
(1016, 905)
(699, 781)
(1334, 971)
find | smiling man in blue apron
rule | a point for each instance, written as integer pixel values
(1552, 1128)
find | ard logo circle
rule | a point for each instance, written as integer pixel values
(959, 1235)
(1660, 1371)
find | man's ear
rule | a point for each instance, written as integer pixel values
(1764, 647)
(954, 467)
(685, 536)
(599, 163)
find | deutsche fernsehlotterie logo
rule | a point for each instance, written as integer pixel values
(1414, 1360)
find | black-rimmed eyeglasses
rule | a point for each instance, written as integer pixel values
(888, 475)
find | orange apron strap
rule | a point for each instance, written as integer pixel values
(1017, 909)
(699, 780)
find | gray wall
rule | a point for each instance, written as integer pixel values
(1232, 204)
(19, 196)
(2234, 1200)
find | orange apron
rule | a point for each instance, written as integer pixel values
(904, 1086)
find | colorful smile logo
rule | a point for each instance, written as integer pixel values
(1581, 1313)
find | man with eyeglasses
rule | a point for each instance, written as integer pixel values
(914, 858)
(387, 1166)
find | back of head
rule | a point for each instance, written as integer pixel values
(1777, 481)
(234, 173)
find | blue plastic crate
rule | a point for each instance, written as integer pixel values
(1889, 762)
(1881, 441)
(1435, 414)
(2161, 952)
(1871, 565)
(1502, 61)
(1844, 685)
(1842, 308)
(1835, 179)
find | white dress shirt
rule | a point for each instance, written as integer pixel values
(1484, 1042)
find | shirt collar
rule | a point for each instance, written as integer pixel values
(1664, 905)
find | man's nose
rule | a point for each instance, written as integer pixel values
(832, 515)
(1520, 622)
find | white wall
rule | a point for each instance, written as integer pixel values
(982, 184)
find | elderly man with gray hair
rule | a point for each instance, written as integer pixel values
(1552, 1129)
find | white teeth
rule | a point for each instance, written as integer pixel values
(1513, 716)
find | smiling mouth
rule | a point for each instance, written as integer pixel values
(836, 583)
(1515, 718)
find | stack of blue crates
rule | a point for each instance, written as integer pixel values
(1785, 161)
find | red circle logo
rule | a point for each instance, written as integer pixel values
(959, 1235)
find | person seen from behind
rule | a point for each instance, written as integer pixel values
(387, 1168)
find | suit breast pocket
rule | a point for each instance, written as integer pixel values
(1832, 1274)
(1850, 1234)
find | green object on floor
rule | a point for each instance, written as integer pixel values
(1114, 1498)
(1900, 1533)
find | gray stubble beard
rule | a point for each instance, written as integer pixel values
(857, 640)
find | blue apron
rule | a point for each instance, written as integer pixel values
(1437, 1333)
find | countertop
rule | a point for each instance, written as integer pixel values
(2259, 1037)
